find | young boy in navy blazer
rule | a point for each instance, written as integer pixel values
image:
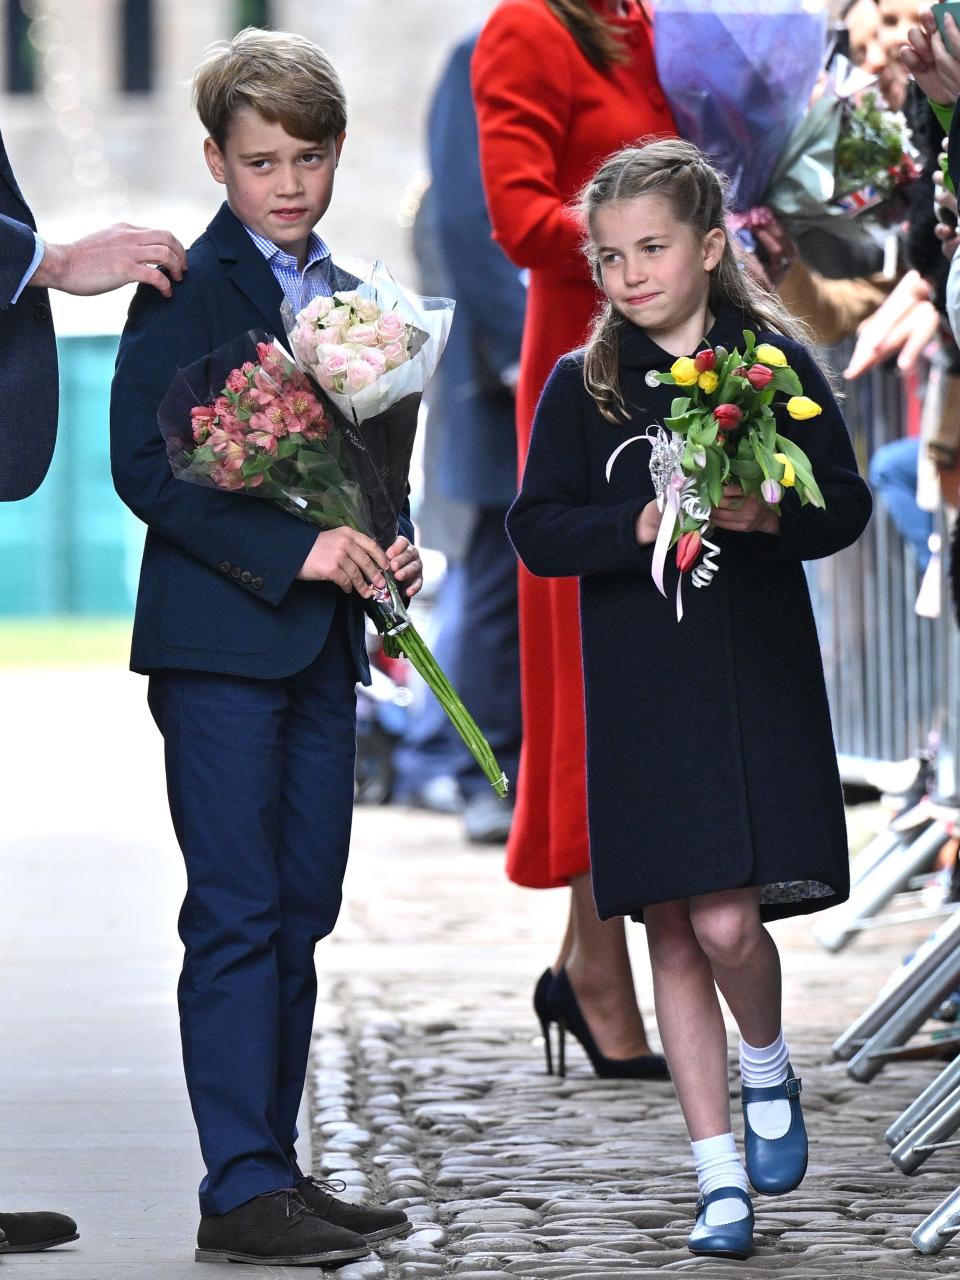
(249, 624)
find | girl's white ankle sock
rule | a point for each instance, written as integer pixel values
(719, 1165)
(760, 1068)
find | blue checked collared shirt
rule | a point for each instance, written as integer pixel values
(299, 287)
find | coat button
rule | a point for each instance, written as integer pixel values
(235, 572)
(41, 311)
(225, 566)
(246, 577)
(257, 583)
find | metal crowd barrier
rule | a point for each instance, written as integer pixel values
(880, 659)
(893, 679)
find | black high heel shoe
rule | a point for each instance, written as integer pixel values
(561, 1002)
(541, 1007)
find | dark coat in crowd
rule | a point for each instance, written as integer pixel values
(710, 756)
(28, 351)
(478, 455)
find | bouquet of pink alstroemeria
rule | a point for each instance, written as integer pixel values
(249, 420)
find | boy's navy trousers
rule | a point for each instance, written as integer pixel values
(260, 782)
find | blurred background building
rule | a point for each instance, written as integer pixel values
(96, 117)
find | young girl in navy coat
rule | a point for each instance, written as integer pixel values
(714, 798)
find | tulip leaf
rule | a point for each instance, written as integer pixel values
(680, 406)
(785, 380)
(802, 466)
(666, 379)
(746, 469)
(714, 477)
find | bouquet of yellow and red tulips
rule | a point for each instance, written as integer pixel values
(723, 430)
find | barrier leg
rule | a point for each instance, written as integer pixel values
(942, 1225)
(878, 887)
(946, 1082)
(907, 1019)
(904, 982)
(933, 1131)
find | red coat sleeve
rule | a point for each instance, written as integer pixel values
(523, 118)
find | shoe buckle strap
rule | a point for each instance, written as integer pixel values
(793, 1086)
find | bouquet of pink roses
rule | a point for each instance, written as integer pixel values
(248, 420)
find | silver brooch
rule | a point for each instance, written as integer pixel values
(652, 379)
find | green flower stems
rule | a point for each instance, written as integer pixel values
(413, 647)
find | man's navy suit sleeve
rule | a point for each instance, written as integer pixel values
(487, 285)
(216, 528)
(17, 247)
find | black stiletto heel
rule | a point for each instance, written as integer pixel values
(566, 1012)
(562, 1049)
(541, 1007)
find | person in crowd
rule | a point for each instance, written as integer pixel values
(557, 84)
(29, 267)
(249, 624)
(689, 741)
(474, 411)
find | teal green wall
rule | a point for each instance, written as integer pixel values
(73, 548)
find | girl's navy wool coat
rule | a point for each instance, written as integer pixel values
(710, 756)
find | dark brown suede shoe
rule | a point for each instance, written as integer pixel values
(32, 1232)
(372, 1223)
(276, 1230)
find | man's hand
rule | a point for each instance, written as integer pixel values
(904, 323)
(350, 559)
(744, 513)
(934, 66)
(405, 565)
(108, 259)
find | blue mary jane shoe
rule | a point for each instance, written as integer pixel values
(734, 1239)
(776, 1165)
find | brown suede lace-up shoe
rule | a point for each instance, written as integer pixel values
(276, 1230)
(370, 1222)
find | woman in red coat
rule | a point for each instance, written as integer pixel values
(559, 85)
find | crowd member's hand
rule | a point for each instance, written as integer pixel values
(778, 250)
(744, 513)
(405, 565)
(934, 66)
(945, 205)
(110, 258)
(350, 559)
(902, 325)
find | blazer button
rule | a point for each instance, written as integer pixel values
(257, 583)
(41, 311)
(246, 578)
(235, 572)
(225, 566)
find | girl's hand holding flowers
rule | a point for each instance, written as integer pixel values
(744, 513)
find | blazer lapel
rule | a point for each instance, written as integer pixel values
(247, 268)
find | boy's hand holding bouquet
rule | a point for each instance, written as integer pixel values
(328, 437)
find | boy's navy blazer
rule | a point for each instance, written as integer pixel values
(28, 352)
(218, 589)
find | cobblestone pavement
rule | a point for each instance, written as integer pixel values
(429, 1092)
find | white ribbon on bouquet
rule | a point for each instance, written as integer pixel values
(676, 494)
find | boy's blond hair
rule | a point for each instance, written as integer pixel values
(286, 78)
